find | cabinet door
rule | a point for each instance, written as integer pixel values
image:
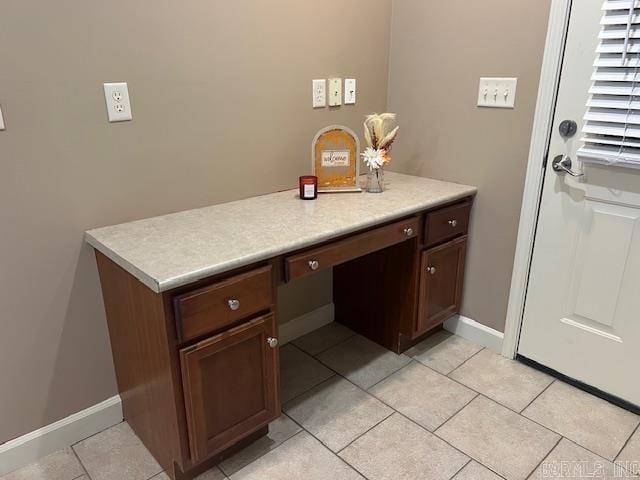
(441, 279)
(231, 386)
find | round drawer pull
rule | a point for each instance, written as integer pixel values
(408, 231)
(453, 223)
(234, 304)
(314, 264)
(272, 342)
(432, 270)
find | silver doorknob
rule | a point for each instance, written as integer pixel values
(408, 231)
(314, 264)
(272, 342)
(431, 270)
(453, 223)
(233, 304)
(562, 164)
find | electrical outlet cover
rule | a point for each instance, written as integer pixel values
(319, 93)
(116, 96)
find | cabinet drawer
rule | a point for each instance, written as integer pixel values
(215, 306)
(353, 247)
(231, 385)
(446, 223)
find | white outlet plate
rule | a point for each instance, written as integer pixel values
(2, 127)
(319, 93)
(116, 96)
(498, 92)
(349, 91)
(335, 92)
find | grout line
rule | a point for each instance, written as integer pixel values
(80, 462)
(360, 387)
(537, 396)
(545, 457)
(456, 413)
(314, 355)
(364, 433)
(463, 363)
(461, 468)
(368, 390)
(637, 429)
(330, 451)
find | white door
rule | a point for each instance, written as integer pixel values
(582, 311)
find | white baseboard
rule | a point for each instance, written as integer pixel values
(306, 323)
(475, 332)
(30, 447)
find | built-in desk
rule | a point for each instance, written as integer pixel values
(190, 300)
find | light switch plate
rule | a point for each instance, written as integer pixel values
(116, 96)
(2, 127)
(335, 92)
(349, 91)
(497, 92)
(319, 93)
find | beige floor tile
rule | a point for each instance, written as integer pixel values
(213, 474)
(398, 449)
(629, 458)
(495, 436)
(443, 351)
(508, 382)
(300, 457)
(569, 460)
(116, 454)
(589, 421)
(336, 412)
(62, 465)
(362, 361)
(280, 430)
(425, 396)
(324, 338)
(474, 471)
(299, 372)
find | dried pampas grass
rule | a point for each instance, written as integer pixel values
(375, 131)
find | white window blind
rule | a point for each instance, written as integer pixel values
(611, 132)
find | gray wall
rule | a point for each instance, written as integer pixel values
(439, 50)
(221, 95)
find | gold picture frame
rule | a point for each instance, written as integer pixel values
(335, 159)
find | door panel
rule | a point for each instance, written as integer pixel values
(581, 314)
(231, 384)
(441, 279)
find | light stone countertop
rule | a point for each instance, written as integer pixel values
(176, 249)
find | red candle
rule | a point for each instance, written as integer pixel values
(308, 187)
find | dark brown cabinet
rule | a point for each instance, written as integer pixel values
(198, 367)
(441, 279)
(231, 385)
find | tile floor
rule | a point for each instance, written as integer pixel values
(448, 409)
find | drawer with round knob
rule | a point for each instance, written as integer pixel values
(223, 303)
(355, 246)
(446, 223)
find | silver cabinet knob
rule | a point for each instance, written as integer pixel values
(272, 342)
(453, 223)
(408, 231)
(314, 264)
(431, 270)
(234, 304)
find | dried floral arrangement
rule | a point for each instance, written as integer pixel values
(379, 139)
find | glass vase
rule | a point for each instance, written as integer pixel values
(375, 180)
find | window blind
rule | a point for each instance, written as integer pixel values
(611, 131)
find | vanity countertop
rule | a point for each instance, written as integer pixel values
(180, 248)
